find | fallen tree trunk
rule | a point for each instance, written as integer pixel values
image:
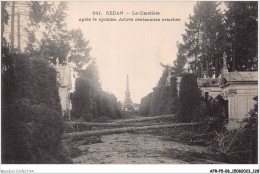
(146, 118)
(121, 122)
(123, 130)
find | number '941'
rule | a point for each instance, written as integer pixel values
(96, 13)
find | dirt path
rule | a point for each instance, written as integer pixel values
(131, 149)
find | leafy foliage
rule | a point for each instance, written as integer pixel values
(5, 18)
(49, 38)
(145, 104)
(210, 32)
(241, 25)
(173, 95)
(189, 98)
(47, 24)
(251, 129)
(202, 41)
(31, 112)
(239, 145)
(163, 78)
(89, 102)
(79, 50)
(163, 100)
(179, 63)
(5, 13)
(91, 73)
(160, 99)
(81, 99)
(107, 106)
(33, 79)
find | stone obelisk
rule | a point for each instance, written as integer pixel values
(128, 105)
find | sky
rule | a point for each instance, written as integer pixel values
(134, 48)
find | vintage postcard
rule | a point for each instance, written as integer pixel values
(131, 82)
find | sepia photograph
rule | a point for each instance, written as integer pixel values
(131, 82)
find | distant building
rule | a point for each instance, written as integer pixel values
(65, 85)
(127, 104)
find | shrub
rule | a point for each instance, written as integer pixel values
(66, 116)
(90, 103)
(30, 78)
(107, 106)
(189, 98)
(173, 95)
(239, 145)
(81, 99)
(251, 130)
(145, 104)
(163, 99)
(215, 109)
(47, 130)
(34, 135)
(168, 98)
(32, 126)
(45, 86)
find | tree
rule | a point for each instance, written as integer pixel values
(106, 106)
(4, 20)
(145, 104)
(87, 89)
(189, 98)
(202, 41)
(49, 38)
(32, 125)
(79, 50)
(241, 25)
(179, 63)
(163, 78)
(47, 22)
(89, 102)
(57, 48)
(91, 73)
(251, 129)
(32, 121)
(82, 99)
(210, 33)
(173, 95)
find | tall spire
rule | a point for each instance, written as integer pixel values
(127, 84)
(127, 105)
